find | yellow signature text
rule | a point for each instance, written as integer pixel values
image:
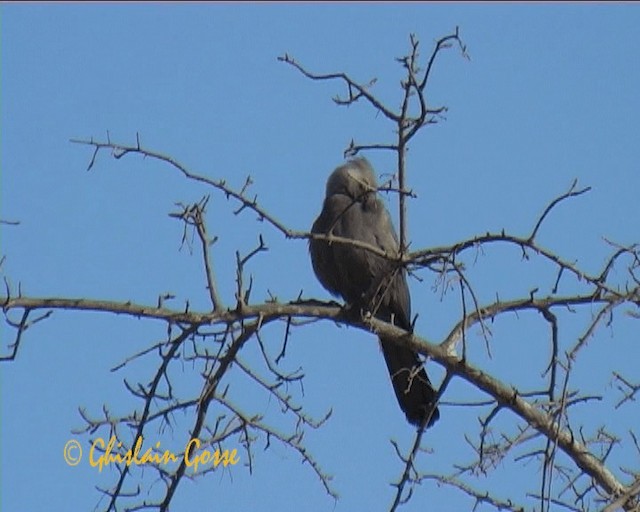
(111, 453)
(205, 456)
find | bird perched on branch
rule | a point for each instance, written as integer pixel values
(370, 281)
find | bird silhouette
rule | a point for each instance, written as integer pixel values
(371, 282)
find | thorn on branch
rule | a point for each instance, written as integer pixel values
(248, 182)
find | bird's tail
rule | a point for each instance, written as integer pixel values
(411, 384)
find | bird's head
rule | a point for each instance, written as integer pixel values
(354, 179)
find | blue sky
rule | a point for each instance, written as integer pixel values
(550, 94)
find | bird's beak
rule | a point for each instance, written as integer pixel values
(357, 177)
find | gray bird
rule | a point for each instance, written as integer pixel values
(369, 281)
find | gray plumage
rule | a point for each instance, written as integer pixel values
(369, 281)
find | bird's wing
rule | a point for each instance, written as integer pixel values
(356, 273)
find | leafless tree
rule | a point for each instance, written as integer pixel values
(573, 458)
